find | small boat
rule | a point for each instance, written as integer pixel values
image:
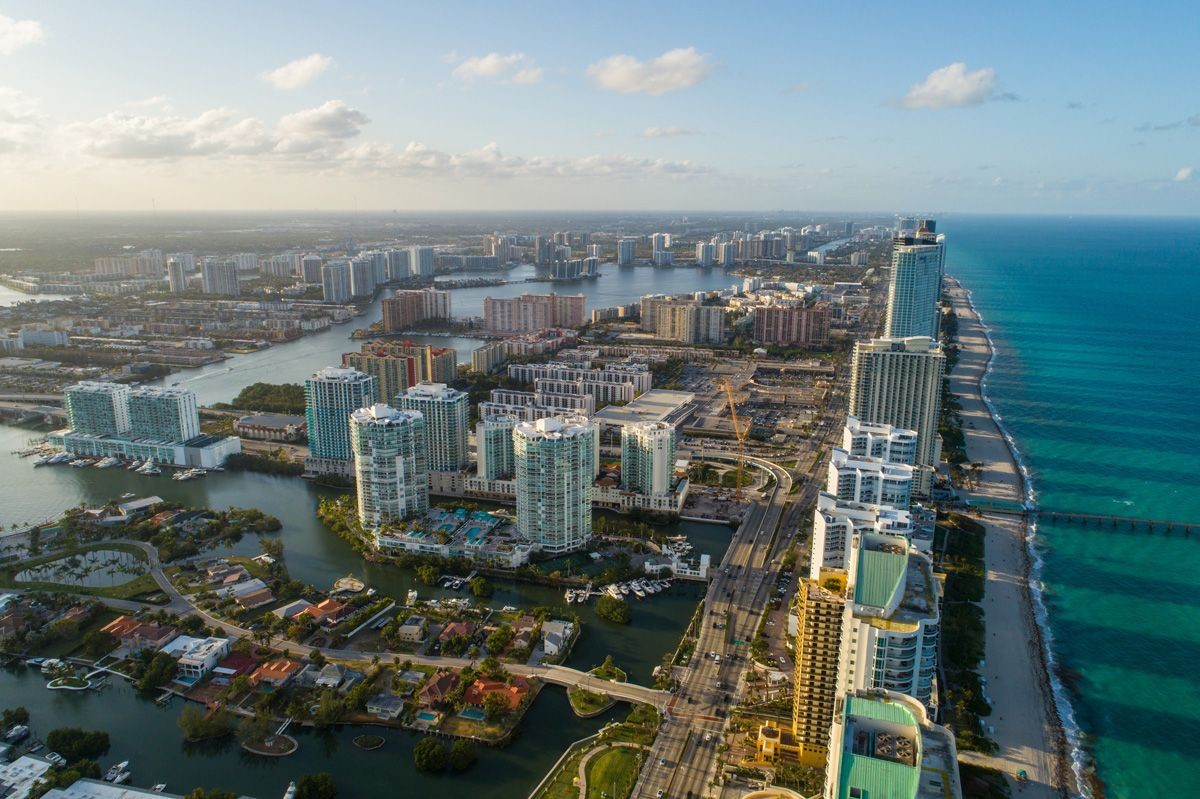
(159, 787)
(116, 770)
(149, 467)
(569, 595)
(56, 758)
(36, 662)
(81, 462)
(52, 665)
(128, 495)
(17, 734)
(623, 588)
(122, 778)
(107, 463)
(134, 465)
(42, 461)
(637, 590)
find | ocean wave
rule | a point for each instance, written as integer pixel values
(1062, 699)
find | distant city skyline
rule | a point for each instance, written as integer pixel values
(1026, 108)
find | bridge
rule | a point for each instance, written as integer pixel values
(1098, 519)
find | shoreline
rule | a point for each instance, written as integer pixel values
(1040, 734)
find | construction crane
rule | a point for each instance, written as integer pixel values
(740, 433)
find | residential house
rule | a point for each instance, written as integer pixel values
(137, 636)
(328, 611)
(514, 692)
(292, 609)
(556, 635)
(438, 689)
(455, 629)
(335, 676)
(413, 630)
(385, 706)
(232, 667)
(276, 674)
(196, 656)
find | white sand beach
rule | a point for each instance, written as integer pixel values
(1024, 721)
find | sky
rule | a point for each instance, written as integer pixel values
(1025, 107)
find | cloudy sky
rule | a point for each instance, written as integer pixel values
(1030, 107)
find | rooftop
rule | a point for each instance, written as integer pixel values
(655, 405)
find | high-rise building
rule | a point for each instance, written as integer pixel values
(555, 464)
(859, 478)
(706, 253)
(791, 327)
(399, 365)
(494, 446)
(163, 414)
(836, 523)
(883, 441)
(390, 469)
(819, 607)
(420, 261)
(219, 277)
(176, 277)
(915, 289)
(398, 265)
(97, 408)
(898, 381)
(310, 268)
(362, 277)
(648, 457)
(626, 250)
(727, 253)
(447, 413)
(408, 308)
(883, 744)
(690, 322)
(335, 283)
(890, 629)
(531, 312)
(247, 262)
(330, 396)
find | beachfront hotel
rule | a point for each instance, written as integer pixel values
(915, 289)
(892, 620)
(891, 444)
(555, 465)
(835, 523)
(898, 381)
(447, 413)
(330, 396)
(882, 744)
(854, 478)
(390, 470)
(819, 606)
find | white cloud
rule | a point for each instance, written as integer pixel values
(953, 86)
(515, 67)
(299, 73)
(151, 102)
(1185, 174)
(21, 123)
(660, 133)
(18, 33)
(312, 129)
(680, 68)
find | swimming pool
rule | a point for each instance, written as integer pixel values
(472, 713)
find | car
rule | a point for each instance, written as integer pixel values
(661, 794)
(707, 737)
(662, 761)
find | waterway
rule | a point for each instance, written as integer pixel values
(148, 736)
(297, 360)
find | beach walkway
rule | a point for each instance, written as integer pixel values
(1024, 721)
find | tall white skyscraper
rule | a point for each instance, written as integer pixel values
(220, 277)
(858, 478)
(706, 253)
(163, 414)
(835, 523)
(362, 277)
(626, 248)
(420, 261)
(310, 268)
(918, 263)
(898, 381)
(648, 457)
(97, 408)
(335, 283)
(330, 396)
(390, 468)
(494, 446)
(447, 412)
(555, 462)
(891, 444)
(176, 277)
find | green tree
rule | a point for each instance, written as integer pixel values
(462, 754)
(200, 726)
(76, 744)
(13, 716)
(316, 786)
(157, 672)
(428, 574)
(495, 705)
(612, 609)
(98, 643)
(481, 587)
(256, 727)
(429, 756)
(210, 793)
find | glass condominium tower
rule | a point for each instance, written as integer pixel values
(555, 463)
(918, 263)
(390, 466)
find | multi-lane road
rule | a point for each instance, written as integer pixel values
(685, 755)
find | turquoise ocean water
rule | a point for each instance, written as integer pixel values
(1097, 327)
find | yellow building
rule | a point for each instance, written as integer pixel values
(819, 609)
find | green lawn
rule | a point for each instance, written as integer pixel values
(586, 702)
(612, 773)
(142, 584)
